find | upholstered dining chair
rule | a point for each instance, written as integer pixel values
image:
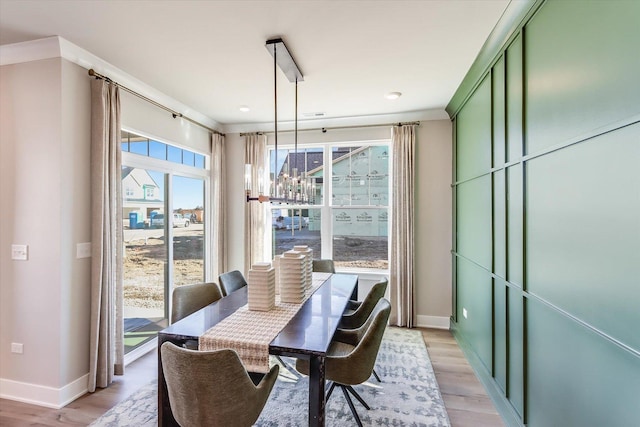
(323, 266)
(231, 281)
(212, 388)
(188, 299)
(357, 312)
(352, 355)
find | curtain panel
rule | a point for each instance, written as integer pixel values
(402, 226)
(106, 352)
(219, 206)
(254, 212)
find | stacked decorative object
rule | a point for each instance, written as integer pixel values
(261, 282)
(293, 275)
(276, 265)
(308, 255)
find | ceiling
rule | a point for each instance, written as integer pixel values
(211, 55)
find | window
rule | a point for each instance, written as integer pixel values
(351, 226)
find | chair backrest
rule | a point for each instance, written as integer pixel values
(188, 299)
(357, 366)
(360, 315)
(324, 266)
(212, 388)
(231, 281)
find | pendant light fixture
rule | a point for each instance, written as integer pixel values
(284, 187)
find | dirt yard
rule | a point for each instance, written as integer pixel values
(145, 255)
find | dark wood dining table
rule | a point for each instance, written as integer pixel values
(307, 336)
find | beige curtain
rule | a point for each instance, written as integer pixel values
(219, 206)
(402, 281)
(254, 227)
(106, 352)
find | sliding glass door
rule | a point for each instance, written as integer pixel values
(163, 189)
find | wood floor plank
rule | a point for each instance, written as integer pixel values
(465, 399)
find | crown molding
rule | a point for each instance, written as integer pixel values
(58, 47)
(512, 20)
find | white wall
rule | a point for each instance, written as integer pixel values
(433, 209)
(46, 203)
(32, 178)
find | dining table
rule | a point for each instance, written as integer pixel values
(307, 335)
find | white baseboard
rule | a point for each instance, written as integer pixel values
(40, 395)
(435, 322)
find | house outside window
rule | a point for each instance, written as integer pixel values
(349, 226)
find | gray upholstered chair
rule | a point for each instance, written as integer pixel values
(324, 266)
(188, 299)
(231, 281)
(357, 312)
(212, 388)
(352, 355)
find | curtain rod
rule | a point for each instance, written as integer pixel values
(324, 129)
(174, 113)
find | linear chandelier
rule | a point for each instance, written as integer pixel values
(284, 187)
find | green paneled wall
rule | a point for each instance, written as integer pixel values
(514, 100)
(583, 228)
(577, 377)
(582, 68)
(474, 220)
(547, 226)
(473, 154)
(475, 297)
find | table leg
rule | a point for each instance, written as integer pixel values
(316, 391)
(165, 416)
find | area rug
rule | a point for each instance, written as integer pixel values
(407, 396)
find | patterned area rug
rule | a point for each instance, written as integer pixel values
(407, 396)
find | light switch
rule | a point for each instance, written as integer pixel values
(83, 250)
(20, 252)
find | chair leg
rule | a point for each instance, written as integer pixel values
(357, 396)
(375, 374)
(350, 403)
(331, 387)
(289, 367)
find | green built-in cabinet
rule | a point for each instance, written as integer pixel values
(547, 217)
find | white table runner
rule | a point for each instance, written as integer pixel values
(250, 332)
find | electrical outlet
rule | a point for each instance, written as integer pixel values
(17, 347)
(464, 312)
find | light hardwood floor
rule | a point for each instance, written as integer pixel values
(465, 399)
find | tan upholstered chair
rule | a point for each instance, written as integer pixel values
(352, 355)
(188, 299)
(212, 388)
(324, 266)
(231, 281)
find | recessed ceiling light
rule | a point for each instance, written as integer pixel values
(393, 95)
(245, 108)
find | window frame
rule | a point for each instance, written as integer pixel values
(327, 206)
